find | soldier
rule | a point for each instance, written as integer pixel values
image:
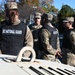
(14, 34)
(35, 27)
(68, 46)
(50, 47)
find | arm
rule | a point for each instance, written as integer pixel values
(44, 36)
(58, 43)
(72, 39)
(29, 38)
(28, 41)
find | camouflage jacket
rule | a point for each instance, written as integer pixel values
(47, 42)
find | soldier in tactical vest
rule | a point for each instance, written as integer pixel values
(68, 46)
(14, 34)
(49, 38)
(35, 27)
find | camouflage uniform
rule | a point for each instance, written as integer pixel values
(69, 53)
(50, 44)
(35, 30)
(49, 39)
(68, 50)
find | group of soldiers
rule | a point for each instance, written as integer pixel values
(42, 36)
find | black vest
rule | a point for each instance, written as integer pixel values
(12, 38)
(53, 37)
(66, 40)
(52, 41)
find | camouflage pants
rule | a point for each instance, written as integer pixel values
(68, 57)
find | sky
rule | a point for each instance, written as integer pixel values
(58, 3)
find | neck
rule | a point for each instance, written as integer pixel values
(17, 21)
(37, 23)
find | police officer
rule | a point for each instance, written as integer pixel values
(50, 47)
(68, 50)
(35, 27)
(14, 34)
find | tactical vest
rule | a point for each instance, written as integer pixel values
(52, 41)
(66, 40)
(35, 32)
(12, 38)
(53, 37)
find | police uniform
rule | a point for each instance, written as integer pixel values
(68, 50)
(49, 37)
(35, 30)
(14, 36)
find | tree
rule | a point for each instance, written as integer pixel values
(29, 2)
(66, 11)
(45, 2)
(2, 15)
(53, 9)
(48, 6)
(27, 8)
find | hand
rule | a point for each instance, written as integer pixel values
(58, 53)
